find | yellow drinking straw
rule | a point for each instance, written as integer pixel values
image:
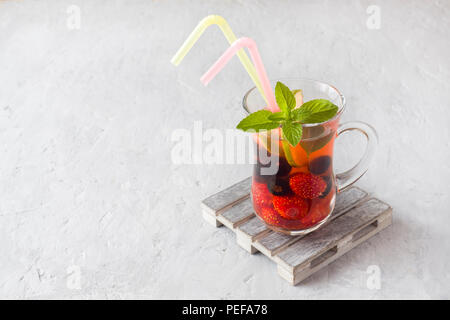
(224, 26)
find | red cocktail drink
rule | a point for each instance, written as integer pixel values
(294, 186)
(301, 193)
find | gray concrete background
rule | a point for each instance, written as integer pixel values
(91, 205)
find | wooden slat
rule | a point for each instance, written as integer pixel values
(249, 231)
(274, 242)
(224, 199)
(237, 214)
(252, 228)
(347, 199)
(211, 218)
(314, 244)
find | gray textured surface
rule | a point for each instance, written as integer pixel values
(86, 182)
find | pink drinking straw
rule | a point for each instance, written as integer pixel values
(229, 53)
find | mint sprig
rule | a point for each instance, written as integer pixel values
(289, 118)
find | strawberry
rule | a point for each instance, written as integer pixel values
(307, 185)
(319, 211)
(271, 216)
(291, 207)
(261, 195)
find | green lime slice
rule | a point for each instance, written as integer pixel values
(298, 94)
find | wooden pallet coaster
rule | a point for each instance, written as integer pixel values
(356, 218)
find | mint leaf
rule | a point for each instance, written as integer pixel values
(292, 132)
(300, 114)
(257, 121)
(320, 110)
(277, 116)
(285, 98)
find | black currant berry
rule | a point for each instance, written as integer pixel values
(329, 182)
(279, 186)
(319, 165)
(283, 167)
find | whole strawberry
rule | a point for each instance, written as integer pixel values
(272, 217)
(261, 195)
(307, 185)
(291, 207)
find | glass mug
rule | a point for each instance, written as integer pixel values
(294, 188)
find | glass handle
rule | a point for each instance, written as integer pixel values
(349, 177)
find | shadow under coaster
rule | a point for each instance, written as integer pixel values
(356, 218)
